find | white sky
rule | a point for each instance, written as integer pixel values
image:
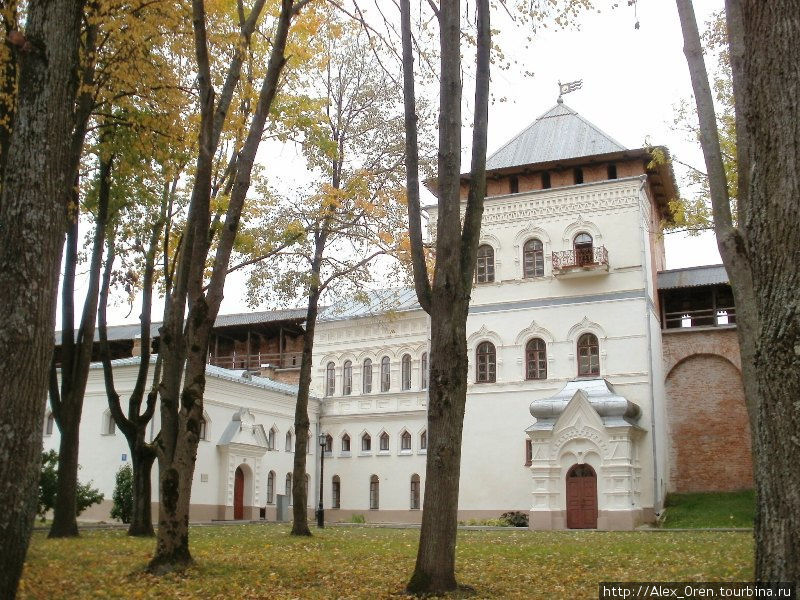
(632, 80)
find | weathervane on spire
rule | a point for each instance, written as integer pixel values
(566, 88)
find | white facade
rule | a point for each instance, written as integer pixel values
(239, 412)
(527, 440)
(615, 304)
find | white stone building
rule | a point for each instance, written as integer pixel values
(565, 417)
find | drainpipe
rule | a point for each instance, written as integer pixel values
(645, 239)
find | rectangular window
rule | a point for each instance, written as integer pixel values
(415, 493)
(546, 181)
(528, 453)
(513, 184)
(335, 492)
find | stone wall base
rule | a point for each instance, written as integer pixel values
(607, 520)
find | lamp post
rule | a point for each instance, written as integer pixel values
(321, 511)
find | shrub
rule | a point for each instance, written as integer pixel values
(48, 486)
(123, 495)
(357, 519)
(515, 519)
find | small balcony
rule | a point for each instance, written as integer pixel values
(580, 261)
(259, 361)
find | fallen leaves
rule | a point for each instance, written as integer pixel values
(264, 561)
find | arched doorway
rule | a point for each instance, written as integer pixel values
(581, 497)
(238, 494)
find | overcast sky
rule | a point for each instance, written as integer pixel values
(632, 80)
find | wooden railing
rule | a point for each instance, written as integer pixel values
(254, 362)
(706, 317)
(580, 257)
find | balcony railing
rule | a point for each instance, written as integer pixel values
(587, 258)
(254, 362)
(707, 317)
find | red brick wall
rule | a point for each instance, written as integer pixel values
(708, 431)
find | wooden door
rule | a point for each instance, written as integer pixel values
(238, 494)
(581, 497)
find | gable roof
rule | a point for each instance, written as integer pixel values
(559, 134)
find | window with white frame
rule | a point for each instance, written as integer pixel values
(423, 440)
(48, 423)
(384, 442)
(271, 488)
(386, 374)
(345, 443)
(588, 355)
(484, 269)
(347, 378)
(203, 434)
(405, 442)
(405, 375)
(330, 379)
(271, 439)
(366, 377)
(536, 359)
(533, 258)
(374, 493)
(289, 442)
(109, 426)
(424, 371)
(415, 492)
(366, 443)
(289, 487)
(336, 492)
(486, 363)
(328, 444)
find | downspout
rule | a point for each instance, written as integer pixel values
(656, 488)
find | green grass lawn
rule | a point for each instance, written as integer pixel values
(718, 509)
(264, 561)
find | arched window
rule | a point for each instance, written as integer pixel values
(48, 424)
(424, 369)
(405, 377)
(486, 364)
(328, 444)
(405, 441)
(384, 442)
(535, 359)
(386, 374)
(330, 379)
(347, 378)
(484, 269)
(336, 492)
(366, 387)
(289, 446)
(271, 439)
(415, 492)
(374, 492)
(533, 258)
(366, 443)
(584, 249)
(289, 487)
(423, 440)
(203, 429)
(588, 355)
(271, 487)
(345, 443)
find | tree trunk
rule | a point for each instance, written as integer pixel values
(456, 251)
(142, 458)
(65, 511)
(32, 224)
(301, 422)
(761, 255)
(771, 79)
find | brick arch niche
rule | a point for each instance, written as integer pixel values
(709, 434)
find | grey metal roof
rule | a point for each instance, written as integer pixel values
(373, 302)
(692, 277)
(129, 332)
(559, 134)
(218, 372)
